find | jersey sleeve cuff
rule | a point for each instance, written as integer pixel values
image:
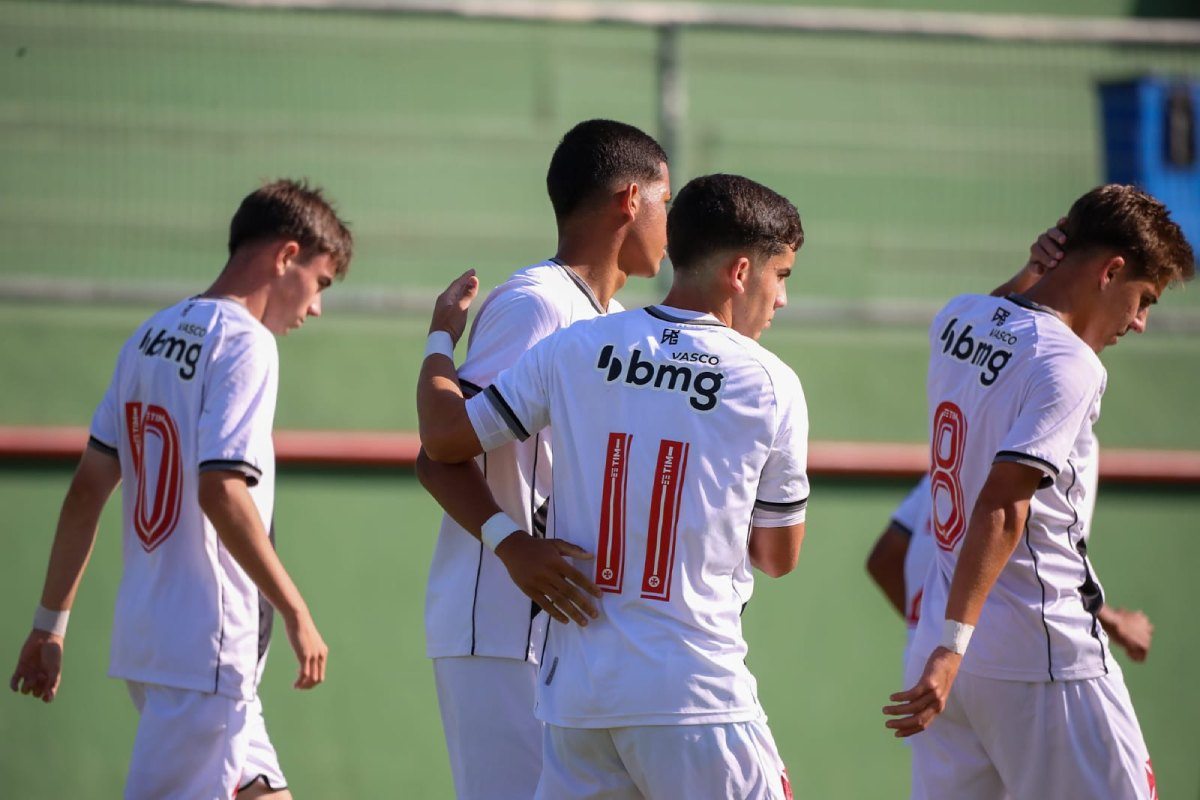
(900, 526)
(251, 473)
(768, 514)
(506, 413)
(101, 447)
(1048, 470)
(490, 427)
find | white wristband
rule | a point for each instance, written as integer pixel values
(956, 635)
(439, 342)
(498, 528)
(51, 621)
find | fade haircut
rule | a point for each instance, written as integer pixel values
(293, 210)
(1138, 227)
(718, 213)
(596, 156)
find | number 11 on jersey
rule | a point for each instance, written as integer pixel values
(662, 526)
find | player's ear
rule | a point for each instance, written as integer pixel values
(630, 199)
(739, 273)
(286, 254)
(1111, 269)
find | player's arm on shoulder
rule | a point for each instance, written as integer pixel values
(39, 665)
(776, 550)
(445, 428)
(885, 563)
(225, 499)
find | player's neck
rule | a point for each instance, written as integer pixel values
(240, 284)
(595, 264)
(689, 297)
(1061, 295)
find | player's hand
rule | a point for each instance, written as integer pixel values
(309, 647)
(540, 569)
(1046, 253)
(918, 706)
(39, 667)
(450, 308)
(1132, 630)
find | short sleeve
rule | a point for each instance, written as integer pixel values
(783, 486)
(239, 405)
(105, 431)
(908, 514)
(517, 404)
(1059, 401)
(509, 324)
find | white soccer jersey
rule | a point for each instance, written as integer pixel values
(1009, 381)
(194, 389)
(912, 516)
(472, 607)
(672, 434)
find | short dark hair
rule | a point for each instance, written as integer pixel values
(294, 210)
(716, 213)
(1134, 224)
(594, 156)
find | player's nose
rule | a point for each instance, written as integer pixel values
(781, 298)
(314, 308)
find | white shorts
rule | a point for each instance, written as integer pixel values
(494, 741)
(1030, 741)
(697, 762)
(196, 746)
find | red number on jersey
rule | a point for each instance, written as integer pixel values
(665, 507)
(610, 554)
(664, 519)
(155, 518)
(949, 437)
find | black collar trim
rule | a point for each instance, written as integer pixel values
(581, 284)
(657, 312)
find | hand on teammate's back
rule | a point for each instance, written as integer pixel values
(450, 308)
(540, 569)
(922, 703)
(310, 649)
(39, 667)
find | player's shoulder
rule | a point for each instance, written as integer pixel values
(1053, 342)
(546, 289)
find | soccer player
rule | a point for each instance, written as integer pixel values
(1039, 707)
(681, 449)
(901, 555)
(609, 186)
(185, 427)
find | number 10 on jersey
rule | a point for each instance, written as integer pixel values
(670, 469)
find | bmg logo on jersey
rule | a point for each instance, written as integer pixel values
(976, 351)
(173, 349)
(704, 387)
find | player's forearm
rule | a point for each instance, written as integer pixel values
(228, 505)
(446, 431)
(885, 565)
(992, 535)
(775, 551)
(460, 489)
(93, 483)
